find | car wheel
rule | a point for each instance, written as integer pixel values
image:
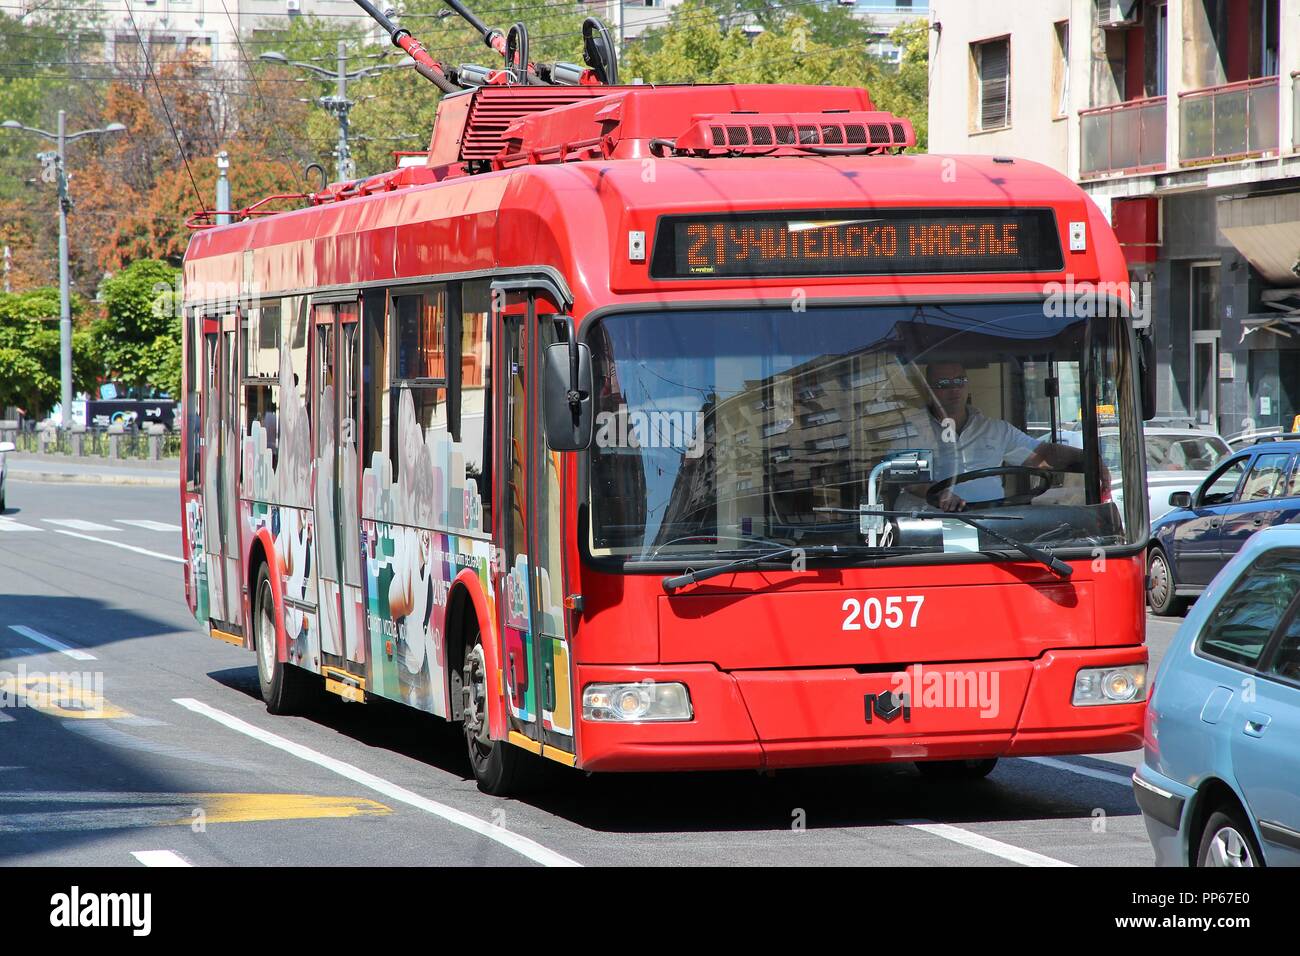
(1228, 841)
(956, 769)
(286, 689)
(500, 768)
(1162, 589)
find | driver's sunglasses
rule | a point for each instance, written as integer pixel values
(959, 381)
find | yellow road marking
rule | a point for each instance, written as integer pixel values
(62, 695)
(255, 807)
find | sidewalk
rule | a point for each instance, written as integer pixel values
(93, 471)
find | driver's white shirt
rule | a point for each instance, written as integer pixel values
(983, 443)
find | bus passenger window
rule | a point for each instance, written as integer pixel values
(194, 439)
(374, 376)
(418, 413)
(475, 419)
(262, 329)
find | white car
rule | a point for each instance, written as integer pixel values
(5, 446)
(1178, 459)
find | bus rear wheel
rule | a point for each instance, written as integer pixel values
(956, 769)
(285, 689)
(500, 768)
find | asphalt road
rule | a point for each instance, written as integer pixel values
(183, 765)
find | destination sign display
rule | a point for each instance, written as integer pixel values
(856, 243)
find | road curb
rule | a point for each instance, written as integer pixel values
(155, 481)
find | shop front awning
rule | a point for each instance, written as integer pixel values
(1266, 230)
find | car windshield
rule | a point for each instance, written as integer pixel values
(729, 431)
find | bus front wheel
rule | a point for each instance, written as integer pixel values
(500, 768)
(285, 689)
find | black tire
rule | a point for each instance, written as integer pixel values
(286, 689)
(1228, 841)
(500, 768)
(1162, 595)
(956, 769)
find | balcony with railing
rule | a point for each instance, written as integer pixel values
(1123, 138)
(1232, 121)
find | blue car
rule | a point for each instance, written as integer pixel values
(1257, 487)
(1219, 783)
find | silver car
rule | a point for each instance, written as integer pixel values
(1177, 458)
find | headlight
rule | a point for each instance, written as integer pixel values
(1110, 685)
(644, 700)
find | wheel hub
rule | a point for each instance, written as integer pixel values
(1229, 849)
(474, 698)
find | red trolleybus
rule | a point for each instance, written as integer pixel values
(678, 428)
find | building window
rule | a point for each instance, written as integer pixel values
(1061, 69)
(199, 50)
(1160, 17)
(992, 60)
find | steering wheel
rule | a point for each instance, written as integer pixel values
(1042, 476)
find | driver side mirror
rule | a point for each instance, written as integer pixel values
(1181, 499)
(1147, 375)
(6, 446)
(566, 396)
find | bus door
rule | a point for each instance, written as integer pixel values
(535, 655)
(220, 457)
(336, 490)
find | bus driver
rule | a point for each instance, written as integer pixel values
(966, 440)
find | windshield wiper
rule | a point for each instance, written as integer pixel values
(1045, 558)
(676, 582)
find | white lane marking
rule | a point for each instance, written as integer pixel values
(9, 524)
(160, 858)
(1105, 775)
(982, 843)
(78, 524)
(5, 719)
(52, 643)
(148, 524)
(520, 844)
(128, 547)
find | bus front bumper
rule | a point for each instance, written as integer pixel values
(767, 719)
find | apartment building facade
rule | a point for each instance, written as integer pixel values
(1179, 118)
(206, 30)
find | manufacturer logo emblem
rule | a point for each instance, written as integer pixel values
(887, 706)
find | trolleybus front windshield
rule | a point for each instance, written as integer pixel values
(726, 431)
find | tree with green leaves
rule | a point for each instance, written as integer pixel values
(29, 349)
(808, 44)
(138, 340)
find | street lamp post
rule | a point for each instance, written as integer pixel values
(339, 104)
(62, 138)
